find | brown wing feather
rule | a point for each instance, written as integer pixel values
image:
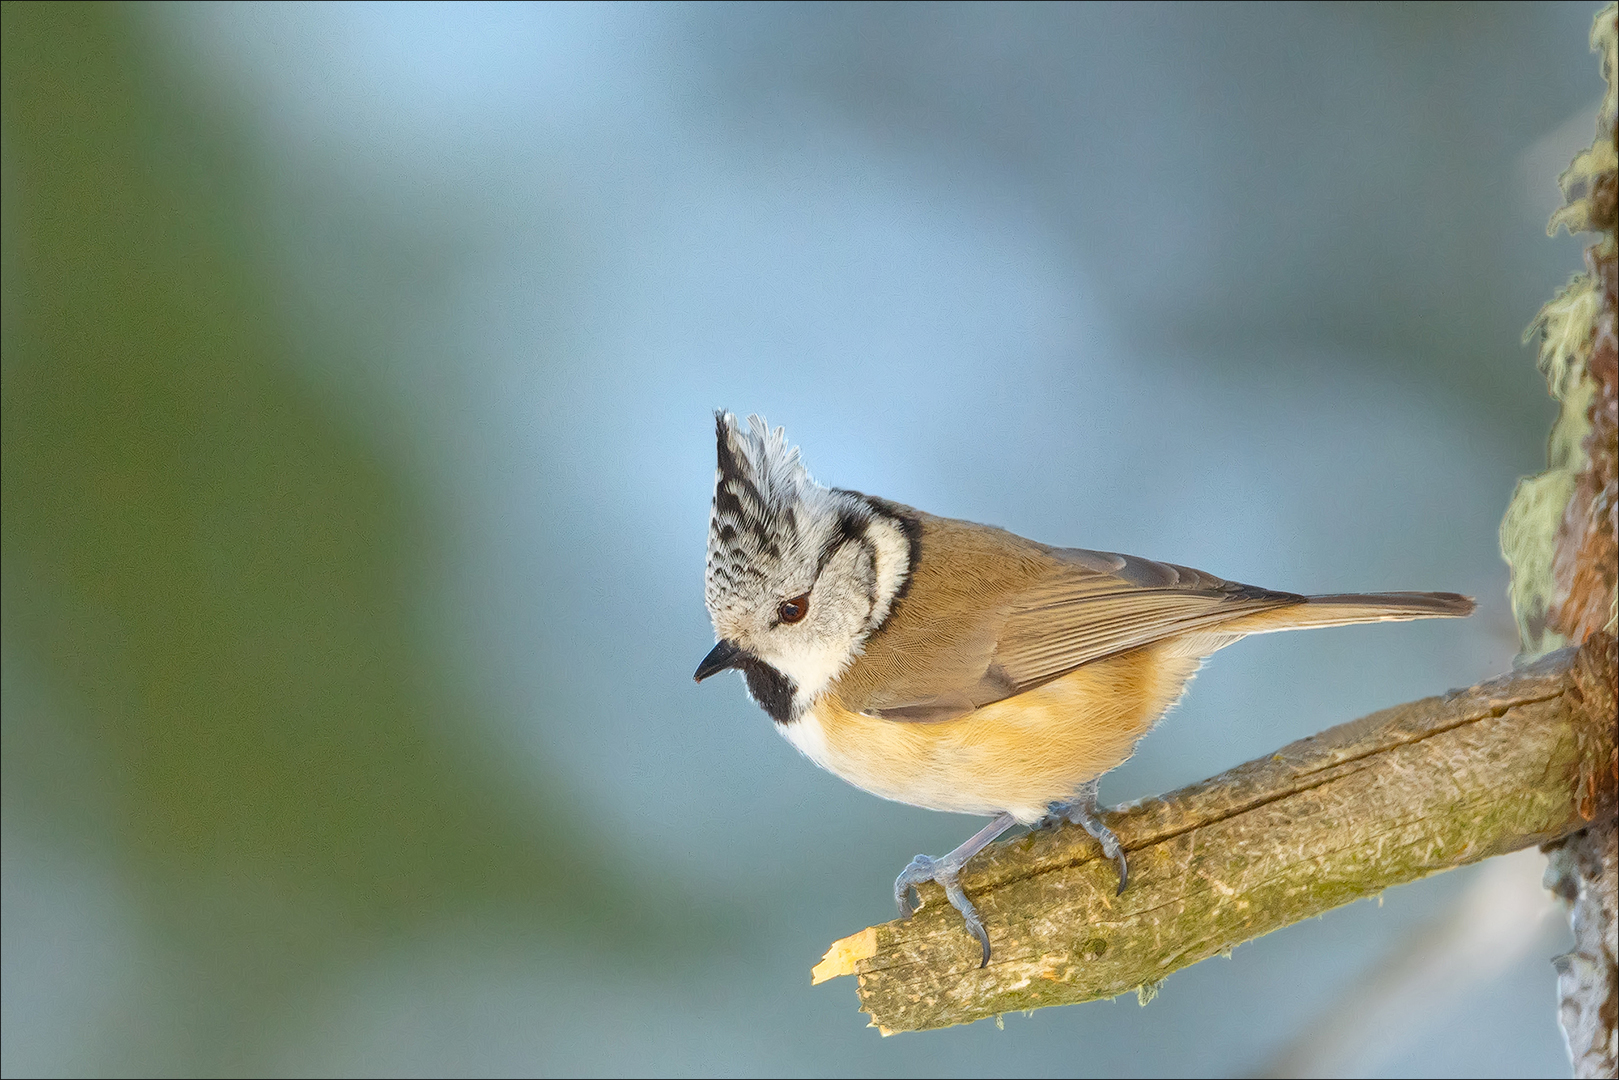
(1004, 614)
(1081, 615)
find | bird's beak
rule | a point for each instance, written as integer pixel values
(724, 655)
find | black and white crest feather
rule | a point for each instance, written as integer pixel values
(759, 486)
(765, 508)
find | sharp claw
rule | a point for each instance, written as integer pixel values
(920, 869)
(975, 926)
(983, 939)
(1083, 812)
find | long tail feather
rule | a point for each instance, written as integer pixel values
(1342, 609)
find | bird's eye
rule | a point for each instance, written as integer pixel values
(790, 611)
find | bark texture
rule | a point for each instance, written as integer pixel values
(1584, 873)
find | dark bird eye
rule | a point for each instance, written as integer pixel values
(794, 609)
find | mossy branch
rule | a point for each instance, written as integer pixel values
(1337, 817)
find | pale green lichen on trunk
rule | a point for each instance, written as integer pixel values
(1534, 529)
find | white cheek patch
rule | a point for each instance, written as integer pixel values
(812, 665)
(893, 563)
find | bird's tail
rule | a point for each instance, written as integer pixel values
(1342, 609)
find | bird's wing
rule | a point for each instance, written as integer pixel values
(1088, 606)
(1088, 613)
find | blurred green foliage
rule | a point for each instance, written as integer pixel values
(217, 573)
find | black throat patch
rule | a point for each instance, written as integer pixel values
(770, 688)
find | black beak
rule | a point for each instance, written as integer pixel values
(724, 655)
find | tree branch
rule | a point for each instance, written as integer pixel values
(1523, 759)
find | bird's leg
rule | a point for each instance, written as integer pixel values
(947, 872)
(1082, 811)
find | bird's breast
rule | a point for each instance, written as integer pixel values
(1016, 755)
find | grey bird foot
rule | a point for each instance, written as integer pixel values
(1083, 812)
(947, 872)
(924, 868)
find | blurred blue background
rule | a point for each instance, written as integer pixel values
(358, 370)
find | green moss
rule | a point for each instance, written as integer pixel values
(1529, 531)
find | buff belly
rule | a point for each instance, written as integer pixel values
(1016, 755)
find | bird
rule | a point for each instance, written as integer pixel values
(961, 667)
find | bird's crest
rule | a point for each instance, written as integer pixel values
(760, 491)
